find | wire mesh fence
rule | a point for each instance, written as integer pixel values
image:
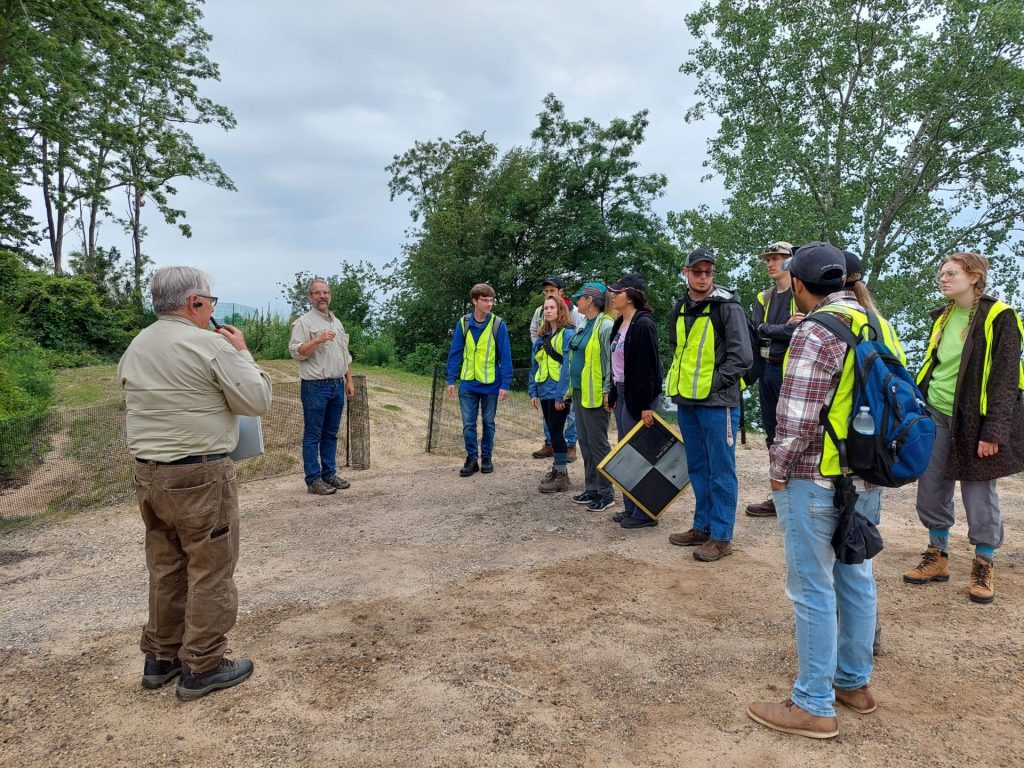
(71, 460)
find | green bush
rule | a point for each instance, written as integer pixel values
(423, 358)
(266, 335)
(26, 391)
(371, 349)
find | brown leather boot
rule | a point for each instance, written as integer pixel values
(762, 509)
(934, 566)
(982, 587)
(545, 452)
(571, 454)
(789, 718)
(690, 538)
(555, 482)
(859, 700)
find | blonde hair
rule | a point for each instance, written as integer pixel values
(562, 318)
(864, 297)
(973, 265)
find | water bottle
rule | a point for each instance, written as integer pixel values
(863, 422)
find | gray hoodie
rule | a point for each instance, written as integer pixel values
(733, 355)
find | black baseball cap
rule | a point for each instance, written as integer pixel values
(698, 255)
(820, 264)
(631, 280)
(554, 280)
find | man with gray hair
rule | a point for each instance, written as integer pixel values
(184, 389)
(320, 344)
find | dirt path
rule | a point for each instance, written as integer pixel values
(422, 619)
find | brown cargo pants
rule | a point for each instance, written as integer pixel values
(191, 517)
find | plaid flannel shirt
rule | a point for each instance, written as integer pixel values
(812, 375)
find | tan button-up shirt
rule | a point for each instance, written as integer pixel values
(329, 360)
(184, 388)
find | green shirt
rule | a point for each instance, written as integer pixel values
(942, 387)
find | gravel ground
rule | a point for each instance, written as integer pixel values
(423, 619)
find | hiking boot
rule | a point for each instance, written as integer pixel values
(337, 482)
(486, 465)
(554, 482)
(320, 488)
(571, 454)
(156, 672)
(934, 566)
(982, 588)
(689, 539)
(618, 517)
(585, 497)
(546, 452)
(789, 718)
(227, 674)
(600, 505)
(763, 509)
(469, 468)
(859, 700)
(712, 550)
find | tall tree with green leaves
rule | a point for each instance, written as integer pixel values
(894, 128)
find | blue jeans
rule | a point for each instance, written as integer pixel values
(322, 404)
(487, 405)
(570, 429)
(709, 437)
(834, 604)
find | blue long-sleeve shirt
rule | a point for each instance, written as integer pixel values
(549, 389)
(502, 363)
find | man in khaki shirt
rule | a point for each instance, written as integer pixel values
(184, 388)
(320, 344)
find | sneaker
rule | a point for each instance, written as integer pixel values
(554, 482)
(632, 522)
(712, 550)
(156, 672)
(584, 498)
(486, 465)
(600, 505)
(618, 517)
(789, 718)
(469, 468)
(934, 566)
(546, 452)
(227, 674)
(982, 588)
(320, 488)
(763, 509)
(691, 538)
(571, 454)
(337, 482)
(859, 700)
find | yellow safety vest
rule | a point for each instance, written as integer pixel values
(547, 366)
(762, 297)
(841, 405)
(693, 364)
(931, 354)
(592, 377)
(478, 360)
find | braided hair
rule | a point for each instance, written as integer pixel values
(973, 265)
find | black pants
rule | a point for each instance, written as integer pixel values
(555, 419)
(768, 389)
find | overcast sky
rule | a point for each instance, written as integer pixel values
(326, 93)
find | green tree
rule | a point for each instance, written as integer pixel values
(353, 291)
(890, 127)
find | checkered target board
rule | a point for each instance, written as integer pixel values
(649, 466)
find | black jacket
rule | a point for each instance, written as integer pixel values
(641, 364)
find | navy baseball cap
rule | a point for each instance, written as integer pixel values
(819, 264)
(631, 280)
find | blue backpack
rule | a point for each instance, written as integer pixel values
(904, 431)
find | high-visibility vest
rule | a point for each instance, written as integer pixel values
(592, 377)
(479, 359)
(764, 298)
(931, 354)
(693, 363)
(547, 366)
(841, 405)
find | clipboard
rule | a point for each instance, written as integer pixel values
(649, 466)
(250, 438)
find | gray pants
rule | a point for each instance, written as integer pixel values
(592, 435)
(935, 498)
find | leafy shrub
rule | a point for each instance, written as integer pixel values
(373, 349)
(26, 391)
(266, 335)
(423, 359)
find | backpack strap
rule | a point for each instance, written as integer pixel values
(845, 334)
(550, 350)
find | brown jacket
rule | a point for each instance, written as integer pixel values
(1004, 422)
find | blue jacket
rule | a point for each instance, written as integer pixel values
(502, 365)
(549, 389)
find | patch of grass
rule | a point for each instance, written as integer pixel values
(82, 387)
(389, 407)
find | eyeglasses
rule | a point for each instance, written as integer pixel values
(211, 299)
(319, 293)
(486, 299)
(699, 272)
